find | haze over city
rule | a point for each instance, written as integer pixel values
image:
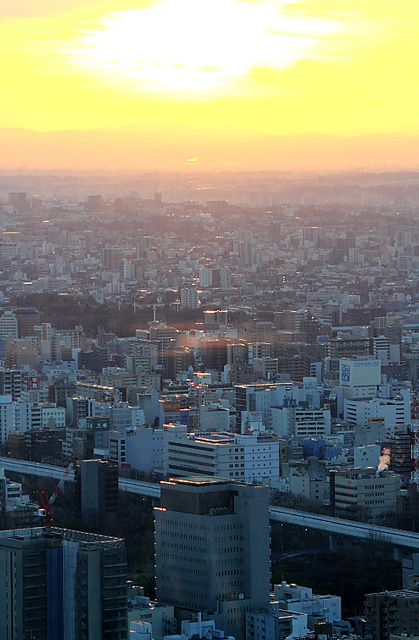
(209, 320)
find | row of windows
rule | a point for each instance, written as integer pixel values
(237, 584)
(193, 583)
(185, 536)
(177, 523)
(235, 560)
(228, 538)
(228, 527)
(184, 546)
(185, 560)
(184, 592)
(243, 609)
(184, 570)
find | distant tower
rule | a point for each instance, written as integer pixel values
(225, 277)
(143, 247)
(94, 203)
(19, 202)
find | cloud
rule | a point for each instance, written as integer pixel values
(47, 8)
(197, 45)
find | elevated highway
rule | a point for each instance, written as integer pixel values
(396, 537)
(338, 526)
(25, 467)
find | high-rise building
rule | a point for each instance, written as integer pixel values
(111, 257)
(12, 382)
(225, 277)
(19, 201)
(143, 247)
(58, 583)
(8, 417)
(94, 203)
(289, 320)
(205, 276)
(8, 325)
(96, 490)
(27, 318)
(212, 549)
(189, 298)
(360, 378)
(311, 236)
(214, 353)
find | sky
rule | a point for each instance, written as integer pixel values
(245, 67)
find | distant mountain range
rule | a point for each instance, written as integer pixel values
(217, 148)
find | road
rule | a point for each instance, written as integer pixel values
(338, 526)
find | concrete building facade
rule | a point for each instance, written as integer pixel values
(247, 458)
(59, 583)
(212, 549)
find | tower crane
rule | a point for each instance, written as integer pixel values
(46, 502)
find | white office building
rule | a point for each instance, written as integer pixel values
(360, 378)
(294, 597)
(299, 423)
(8, 417)
(392, 410)
(248, 458)
(140, 449)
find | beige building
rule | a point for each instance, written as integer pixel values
(392, 614)
(367, 490)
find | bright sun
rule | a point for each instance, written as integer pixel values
(197, 46)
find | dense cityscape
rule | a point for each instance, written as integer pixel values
(209, 406)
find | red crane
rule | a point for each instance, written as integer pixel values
(46, 502)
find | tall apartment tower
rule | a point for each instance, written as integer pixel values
(189, 298)
(59, 583)
(213, 549)
(96, 490)
(12, 382)
(8, 325)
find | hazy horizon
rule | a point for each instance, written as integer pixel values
(128, 148)
(239, 84)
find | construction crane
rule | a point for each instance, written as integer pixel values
(45, 502)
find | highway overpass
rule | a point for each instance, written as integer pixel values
(337, 526)
(25, 467)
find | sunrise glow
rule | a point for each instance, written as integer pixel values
(197, 45)
(209, 68)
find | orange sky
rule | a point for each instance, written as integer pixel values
(343, 67)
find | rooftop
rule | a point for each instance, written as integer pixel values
(199, 480)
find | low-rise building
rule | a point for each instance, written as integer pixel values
(367, 490)
(392, 612)
(299, 599)
(276, 624)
